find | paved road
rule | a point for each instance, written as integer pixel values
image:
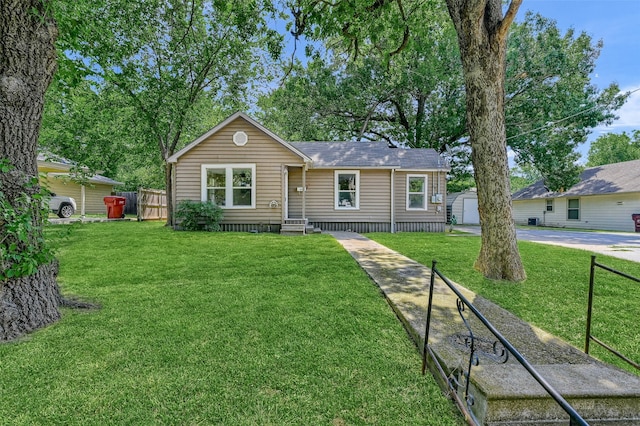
(616, 244)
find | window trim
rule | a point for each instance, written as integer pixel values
(424, 193)
(570, 209)
(547, 205)
(336, 189)
(228, 168)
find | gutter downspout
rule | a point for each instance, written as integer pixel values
(82, 199)
(304, 192)
(174, 192)
(393, 207)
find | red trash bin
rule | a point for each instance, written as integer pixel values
(115, 207)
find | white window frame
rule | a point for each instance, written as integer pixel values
(228, 168)
(336, 191)
(570, 208)
(549, 203)
(424, 192)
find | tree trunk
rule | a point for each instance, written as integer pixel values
(27, 65)
(482, 38)
(168, 178)
(29, 303)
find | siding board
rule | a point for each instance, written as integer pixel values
(94, 193)
(606, 212)
(261, 149)
(270, 158)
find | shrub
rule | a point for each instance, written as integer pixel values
(199, 216)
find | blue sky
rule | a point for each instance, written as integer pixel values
(617, 24)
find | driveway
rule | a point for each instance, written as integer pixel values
(616, 244)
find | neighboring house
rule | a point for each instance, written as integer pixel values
(264, 183)
(56, 176)
(464, 206)
(605, 198)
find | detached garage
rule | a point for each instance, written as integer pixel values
(56, 175)
(464, 205)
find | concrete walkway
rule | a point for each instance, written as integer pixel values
(505, 393)
(76, 219)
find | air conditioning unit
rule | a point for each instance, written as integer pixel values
(533, 221)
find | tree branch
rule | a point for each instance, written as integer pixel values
(503, 27)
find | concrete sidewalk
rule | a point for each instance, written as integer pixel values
(505, 393)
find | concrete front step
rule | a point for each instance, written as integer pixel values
(503, 393)
(298, 227)
(509, 395)
(293, 227)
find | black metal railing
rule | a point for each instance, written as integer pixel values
(498, 351)
(589, 336)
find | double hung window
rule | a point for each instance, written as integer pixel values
(347, 189)
(573, 209)
(230, 186)
(550, 205)
(416, 192)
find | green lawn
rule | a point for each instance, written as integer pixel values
(554, 296)
(216, 328)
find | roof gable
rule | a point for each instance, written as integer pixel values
(600, 180)
(174, 158)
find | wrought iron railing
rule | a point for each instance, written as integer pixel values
(498, 350)
(589, 336)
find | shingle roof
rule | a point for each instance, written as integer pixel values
(370, 154)
(103, 180)
(65, 165)
(599, 180)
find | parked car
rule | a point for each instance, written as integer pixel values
(62, 206)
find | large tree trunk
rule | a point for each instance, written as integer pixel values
(482, 34)
(27, 65)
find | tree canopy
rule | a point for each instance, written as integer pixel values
(171, 59)
(614, 148)
(417, 97)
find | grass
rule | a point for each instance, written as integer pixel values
(216, 328)
(554, 297)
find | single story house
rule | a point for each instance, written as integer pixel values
(605, 198)
(56, 176)
(264, 183)
(464, 206)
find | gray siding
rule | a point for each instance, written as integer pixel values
(375, 193)
(266, 153)
(434, 212)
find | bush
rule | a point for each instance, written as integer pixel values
(199, 216)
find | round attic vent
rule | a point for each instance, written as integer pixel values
(240, 138)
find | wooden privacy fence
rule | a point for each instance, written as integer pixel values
(146, 204)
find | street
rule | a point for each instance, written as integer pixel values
(616, 244)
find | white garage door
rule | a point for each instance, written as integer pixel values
(470, 213)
